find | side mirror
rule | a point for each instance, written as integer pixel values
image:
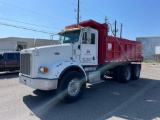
(53, 38)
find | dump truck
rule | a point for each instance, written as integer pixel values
(85, 54)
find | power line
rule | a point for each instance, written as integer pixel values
(100, 12)
(77, 10)
(82, 5)
(93, 7)
(27, 23)
(25, 28)
(90, 11)
(35, 12)
(72, 2)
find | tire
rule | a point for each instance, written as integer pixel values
(117, 73)
(125, 74)
(72, 86)
(102, 77)
(135, 69)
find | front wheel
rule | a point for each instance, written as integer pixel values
(72, 86)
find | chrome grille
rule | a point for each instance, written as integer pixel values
(25, 64)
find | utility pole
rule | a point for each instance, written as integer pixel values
(115, 27)
(121, 31)
(78, 14)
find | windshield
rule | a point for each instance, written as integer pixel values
(70, 36)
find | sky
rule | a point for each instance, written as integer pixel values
(140, 18)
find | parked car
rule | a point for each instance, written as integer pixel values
(9, 61)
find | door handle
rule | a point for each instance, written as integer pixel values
(79, 47)
(93, 58)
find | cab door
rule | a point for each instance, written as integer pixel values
(89, 47)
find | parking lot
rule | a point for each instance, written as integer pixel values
(137, 100)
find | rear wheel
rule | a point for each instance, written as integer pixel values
(125, 74)
(72, 86)
(135, 68)
(117, 73)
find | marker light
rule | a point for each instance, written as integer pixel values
(43, 70)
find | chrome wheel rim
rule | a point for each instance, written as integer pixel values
(74, 87)
(128, 74)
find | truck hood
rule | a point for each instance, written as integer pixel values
(53, 53)
(46, 56)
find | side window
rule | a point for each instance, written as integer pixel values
(10, 56)
(92, 38)
(84, 38)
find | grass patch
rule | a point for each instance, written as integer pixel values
(151, 61)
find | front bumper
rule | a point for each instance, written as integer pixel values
(41, 84)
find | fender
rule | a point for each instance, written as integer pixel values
(60, 67)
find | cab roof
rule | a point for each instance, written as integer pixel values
(90, 23)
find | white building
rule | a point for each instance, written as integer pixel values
(157, 50)
(17, 44)
(150, 46)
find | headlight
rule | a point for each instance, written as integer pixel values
(43, 70)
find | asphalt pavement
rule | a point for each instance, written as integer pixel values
(137, 100)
